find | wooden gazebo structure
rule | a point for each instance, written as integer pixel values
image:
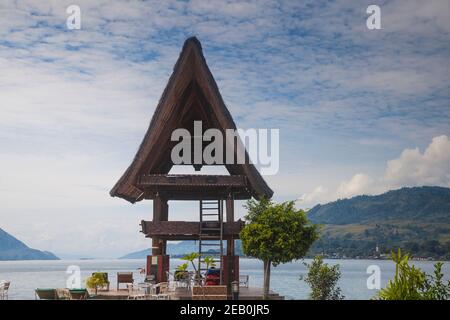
(190, 95)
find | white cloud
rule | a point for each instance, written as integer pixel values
(317, 195)
(412, 168)
(358, 184)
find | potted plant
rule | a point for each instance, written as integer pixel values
(190, 258)
(181, 272)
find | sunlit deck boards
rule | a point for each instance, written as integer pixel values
(181, 293)
(185, 230)
(122, 294)
(251, 293)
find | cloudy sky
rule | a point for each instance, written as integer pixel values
(359, 111)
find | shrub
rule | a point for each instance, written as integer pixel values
(411, 283)
(323, 280)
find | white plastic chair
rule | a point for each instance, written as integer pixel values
(135, 292)
(160, 291)
(173, 284)
(243, 281)
(4, 287)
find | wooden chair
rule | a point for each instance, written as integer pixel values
(63, 294)
(78, 294)
(45, 294)
(124, 277)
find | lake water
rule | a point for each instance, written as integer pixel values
(25, 276)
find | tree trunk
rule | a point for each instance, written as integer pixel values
(266, 289)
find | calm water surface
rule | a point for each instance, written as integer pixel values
(25, 276)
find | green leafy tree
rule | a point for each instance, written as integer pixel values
(435, 287)
(323, 280)
(275, 234)
(97, 280)
(255, 208)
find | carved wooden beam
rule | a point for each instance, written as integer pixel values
(185, 230)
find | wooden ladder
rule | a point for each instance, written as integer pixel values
(211, 234)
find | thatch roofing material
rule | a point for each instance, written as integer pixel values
(191, 88)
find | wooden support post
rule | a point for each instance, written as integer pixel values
(230, 208)
(164, 217)
(156, 218)
(230, 243)
(230, 218)
(160, 213)
(155, 246)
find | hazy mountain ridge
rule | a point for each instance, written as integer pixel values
(177, 249)
(14, 249)
(416, 219)
(423, 204)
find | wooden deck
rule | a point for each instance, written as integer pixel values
(112, 295)
(181, 293)
(250, 293)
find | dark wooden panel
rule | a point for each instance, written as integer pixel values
(199, 193)
(194, 187)
(191, 180)
(185, 230)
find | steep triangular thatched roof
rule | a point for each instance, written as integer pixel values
(191, 94)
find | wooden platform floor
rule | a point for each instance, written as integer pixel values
(181, 293)
(250, 293)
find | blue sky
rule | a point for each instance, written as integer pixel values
(359, 111)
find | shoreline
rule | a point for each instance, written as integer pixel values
(241, 257)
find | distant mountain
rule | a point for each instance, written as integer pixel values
(70, 256)
(424, 204)
(415, 219)
(13, 249)
(142, 254)
(177, 249)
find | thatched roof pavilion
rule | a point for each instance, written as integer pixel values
(191, 94)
